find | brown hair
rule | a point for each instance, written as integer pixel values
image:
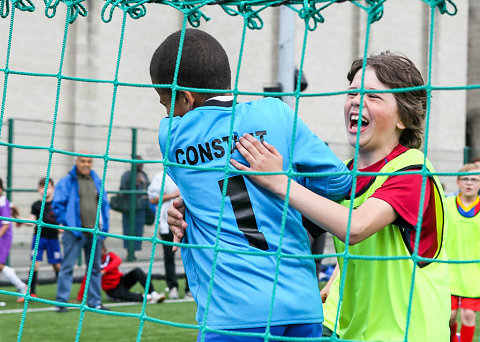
(469, 167)
(397, 71)
(41, 182)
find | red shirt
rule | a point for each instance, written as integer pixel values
(402, 193)
(112, 275)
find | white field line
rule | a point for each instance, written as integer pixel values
(109, 305)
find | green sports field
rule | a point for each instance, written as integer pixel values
(42, 323)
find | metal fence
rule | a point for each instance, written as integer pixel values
(24, 151)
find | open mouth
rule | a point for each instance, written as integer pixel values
(354, 122)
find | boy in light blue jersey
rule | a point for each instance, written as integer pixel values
(242, 284)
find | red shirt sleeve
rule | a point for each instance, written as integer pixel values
(403, 194)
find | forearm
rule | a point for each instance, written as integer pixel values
(364, 221)
(3, 230)
(26, 223)
(310, 204)
(325, 292)
(330, 215)
(31, 217)
(332, 277)
(370, 217)
(167, 197)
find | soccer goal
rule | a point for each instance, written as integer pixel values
(87, 62)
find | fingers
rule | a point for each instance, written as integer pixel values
(252, 150)
(324, 296)
(176, 222)
(325, 292)
(254, 147)
(176, 213)
(178, 233)
(239, 166)
(176, 239)
(271, 149)
(240, 146)
(179, 204)
(173, 215)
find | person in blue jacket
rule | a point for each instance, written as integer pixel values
(75, 206)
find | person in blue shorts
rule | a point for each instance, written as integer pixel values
(48, 236)
(237, 279)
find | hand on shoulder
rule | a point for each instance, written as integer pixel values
(176, 214)
(262, 157)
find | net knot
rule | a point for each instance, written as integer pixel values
(443, 6)
(311, 15)
(134, 8)
(254, 21)
(75, 8)
(22, 5)
(227, 9)
(375, 11)
(194, 15)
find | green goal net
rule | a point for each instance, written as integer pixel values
(311, 14)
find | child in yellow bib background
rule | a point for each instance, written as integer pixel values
(463, 244)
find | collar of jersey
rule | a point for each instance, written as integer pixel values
(219, 101)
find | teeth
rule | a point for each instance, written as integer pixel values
(355, 118)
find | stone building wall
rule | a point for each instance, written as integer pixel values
(92, 49)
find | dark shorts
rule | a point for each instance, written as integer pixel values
(290, 330)
(52, 246)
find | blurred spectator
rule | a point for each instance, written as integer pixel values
(48, 236)
(141, 205)
(117, 285)
(170, 192)
(6, 236)
(75, 204)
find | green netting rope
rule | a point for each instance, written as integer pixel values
(310, 11)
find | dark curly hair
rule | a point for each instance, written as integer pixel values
(204, 63)
(397, 71)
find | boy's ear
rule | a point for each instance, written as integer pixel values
(192, 100)
(401, 125)
(188, 99)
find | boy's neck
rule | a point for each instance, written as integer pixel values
(467, 200)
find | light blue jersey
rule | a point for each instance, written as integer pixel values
(243, 284)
